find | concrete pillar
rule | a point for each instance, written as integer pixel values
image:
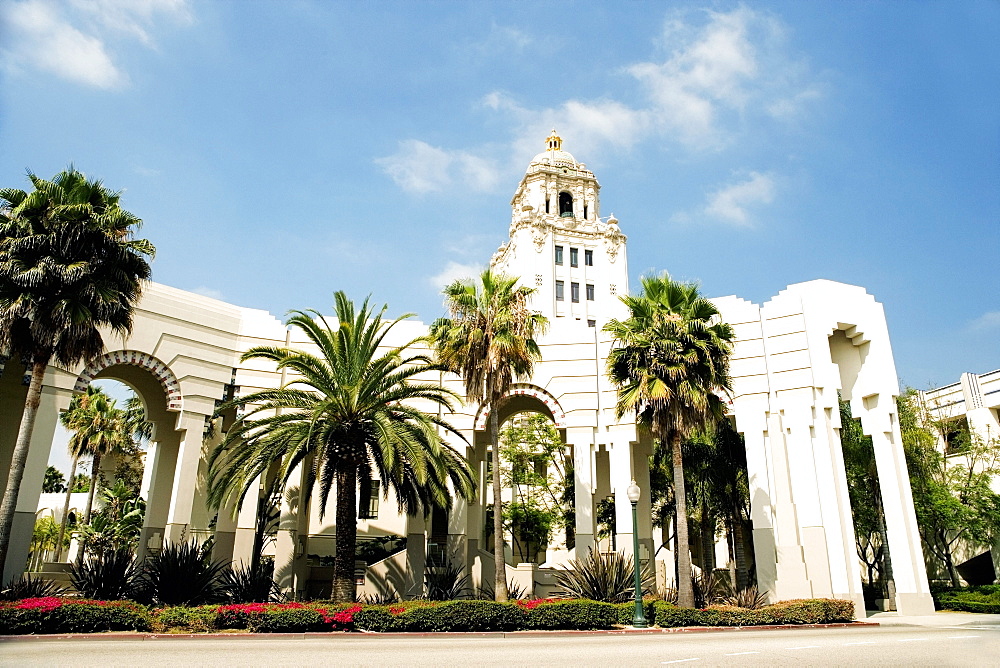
(584, 483)
(290, 564)
(158, 479)
(31, 483)
(751, 420)
(878, 419)
(246, 527)
(620, 460)
(180, 519)
(800, 440)
(792, 580)
(416, 555)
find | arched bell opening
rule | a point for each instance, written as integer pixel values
(565, 205)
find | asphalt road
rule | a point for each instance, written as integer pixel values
(867, 646)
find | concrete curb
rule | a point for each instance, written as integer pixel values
(370, 634)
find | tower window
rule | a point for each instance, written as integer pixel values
(588, 258)
(585, 211)
(574, 257)
(559, 254)
(559, 291)
(565, 205)
(590, 292)
(574, 291)
(546, 205)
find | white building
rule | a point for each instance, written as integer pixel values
(792, 355)
(969, 408)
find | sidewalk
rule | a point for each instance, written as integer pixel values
(940, 618)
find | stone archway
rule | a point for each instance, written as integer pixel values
(159, 370)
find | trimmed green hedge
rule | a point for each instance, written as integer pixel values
(53, 614)
(61, 615)
(800, 611)
(984, 598)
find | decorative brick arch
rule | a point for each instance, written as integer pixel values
(160, 371)
(525, 389)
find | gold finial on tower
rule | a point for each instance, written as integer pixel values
(554, 142)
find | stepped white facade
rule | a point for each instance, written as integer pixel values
(792, 355)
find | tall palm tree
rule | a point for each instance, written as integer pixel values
(100, 430)
(349, 410)
(69, 265)
(489, 341)
(670, 362)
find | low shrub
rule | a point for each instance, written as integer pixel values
(984, 598)
(462, 616)
(181, 619)
(578, 614)
(71, 615)
(626, 611)
(804, 611)
(285, 617)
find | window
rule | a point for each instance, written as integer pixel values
(590, 293)
(368, 508)
(574, 257)
(591, 323)
(559, 254)
(559, 291)
(574, 291)
(588, 258)
(546, 205)
(585, 211)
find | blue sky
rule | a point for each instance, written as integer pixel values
(278, 151)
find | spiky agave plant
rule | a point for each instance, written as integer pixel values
(110, 575)
(249, 584)
(602, 577)
(184, 574)
(750, 598)
(29, 587)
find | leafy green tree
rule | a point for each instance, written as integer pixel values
(489, 341)
(117, 525)
(69, 266)
(350, 412)
(535, 467)
(81, 483)
(952, 496)
(670, 362)
(54, 481)
(866, 502)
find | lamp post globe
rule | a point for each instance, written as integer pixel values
(639, 618)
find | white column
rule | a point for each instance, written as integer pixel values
(290, 546)
(416, 555)
(878, 420)
(186, 478)
(582, 440)
(620, 454)
(751, 421)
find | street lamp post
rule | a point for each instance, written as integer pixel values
(639, 619)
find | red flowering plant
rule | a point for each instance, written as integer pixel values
(54, 614)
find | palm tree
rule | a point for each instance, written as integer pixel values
(489, 341)
(69, 265)
(670, 361)
(348, 414)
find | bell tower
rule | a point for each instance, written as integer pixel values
(559, 243)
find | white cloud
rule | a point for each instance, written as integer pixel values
(722, 73)
(988, 320)
(454, 271)
(211, 293)
(419, 167)
(39, 37)
(71, 38)
(730, 203)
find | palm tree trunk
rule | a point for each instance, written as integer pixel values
(65, 513)
(685, 591)
(20, 457)
(500, 592)
(347, 536)
(95, 471)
